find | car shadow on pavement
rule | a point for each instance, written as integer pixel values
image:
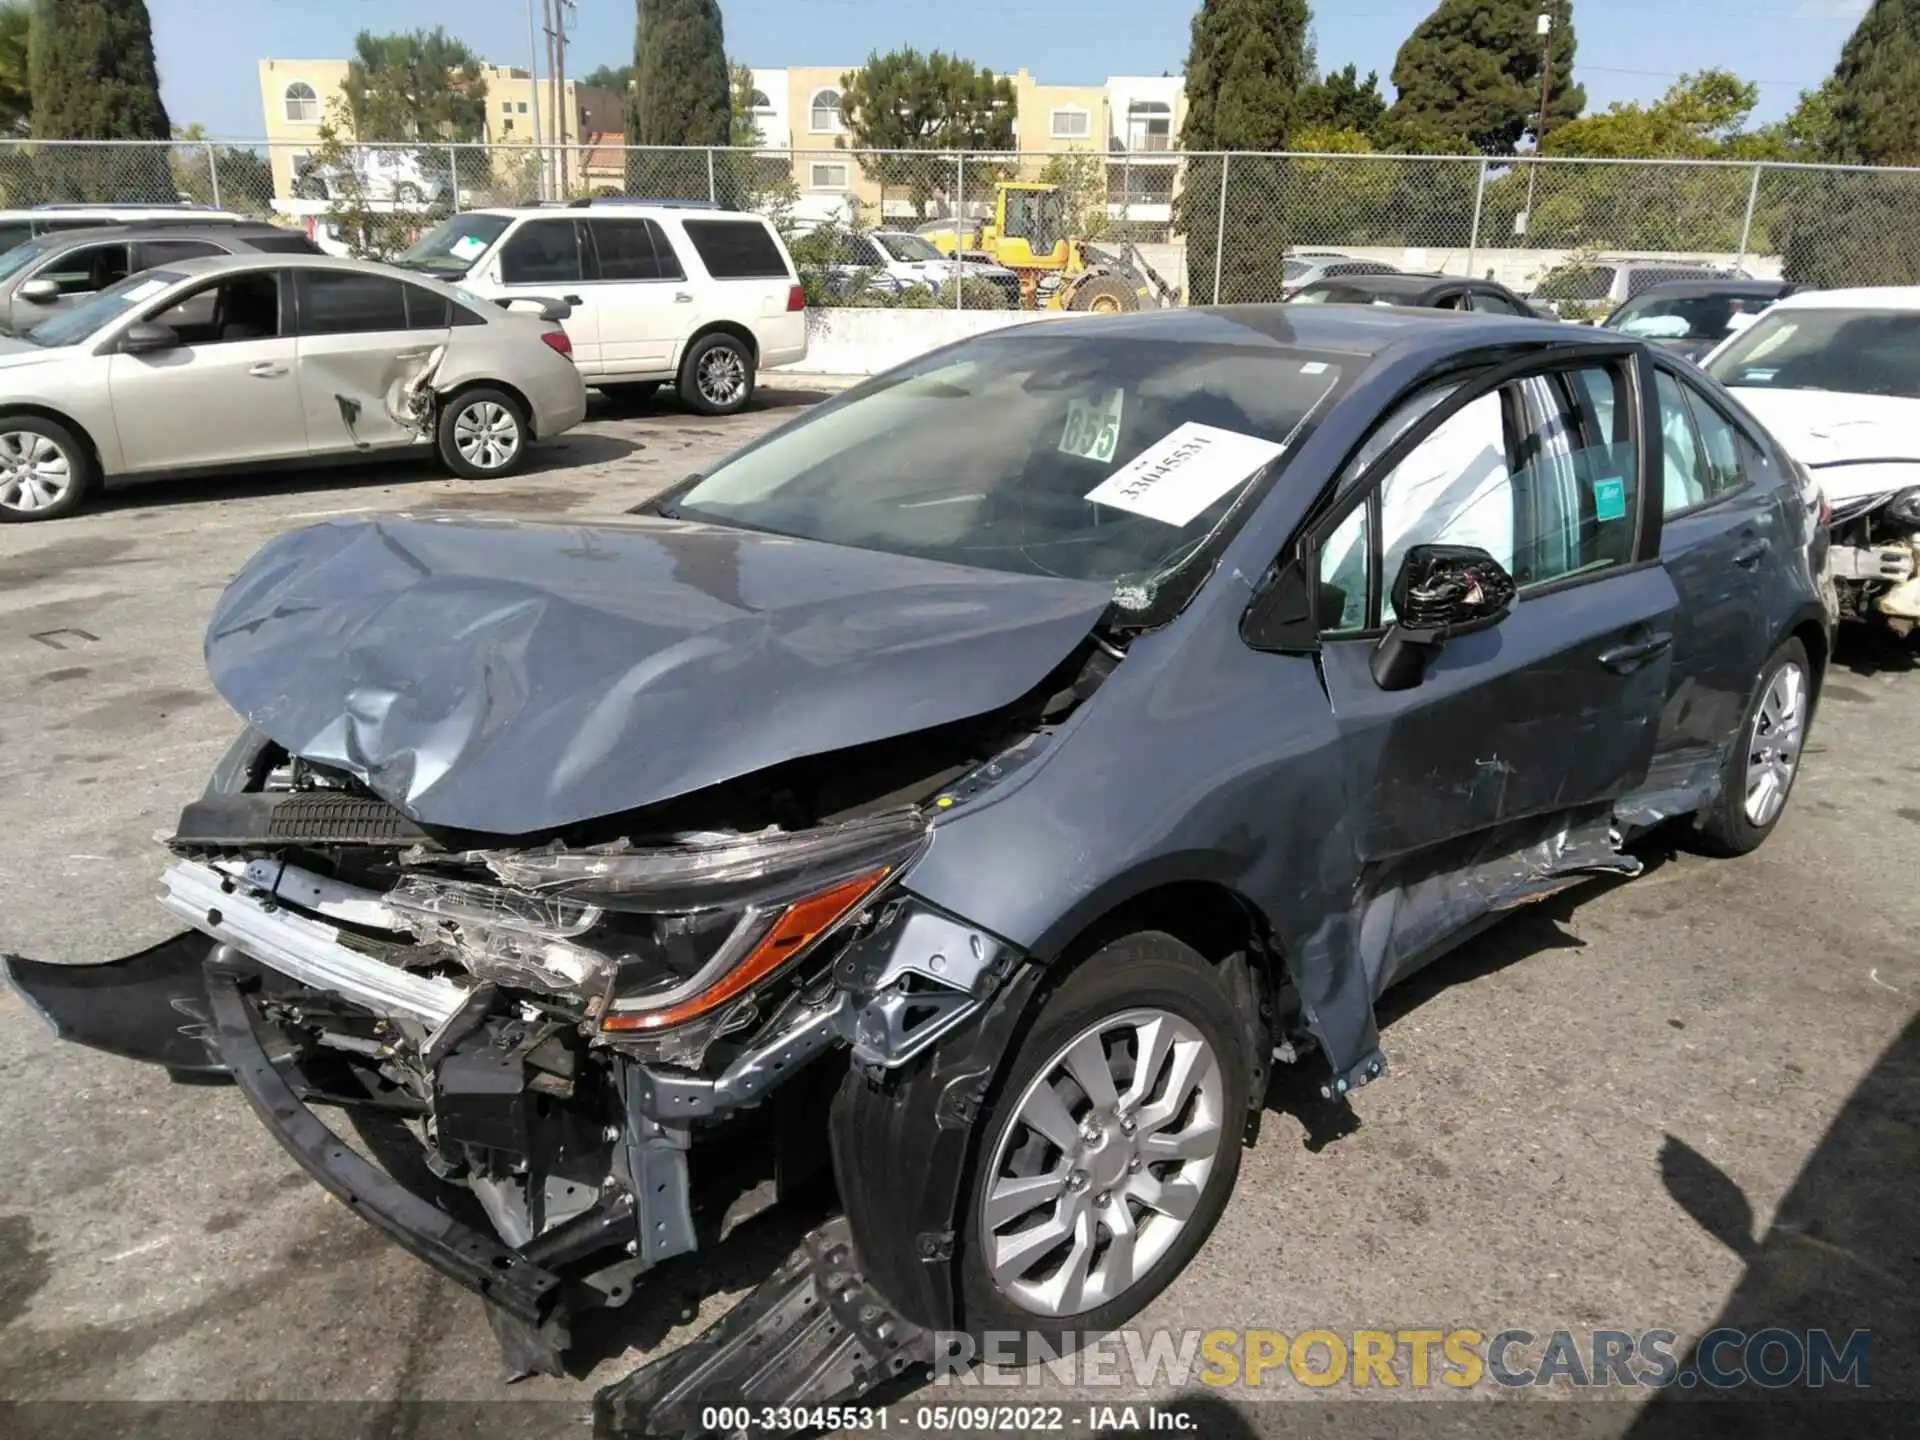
(574, 451)
(666, 405)
(1874, 650)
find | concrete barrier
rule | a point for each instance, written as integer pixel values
(866, 342)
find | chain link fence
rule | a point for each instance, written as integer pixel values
(1210, 227)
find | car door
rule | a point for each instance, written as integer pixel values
(1718, 526)
(364, 337)
(226, 393)
(546, 259)
(638, 292)
(1547, 715)
(77, 274)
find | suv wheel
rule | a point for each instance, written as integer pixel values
(1761, 768)
(482, 434)
(1113, 1145)
(45, 472)
(717, 376)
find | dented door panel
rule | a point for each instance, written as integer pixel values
(354, 389)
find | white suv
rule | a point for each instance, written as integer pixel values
(660, 291)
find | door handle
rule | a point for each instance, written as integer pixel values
(1635, 653)
(681, 297)
(1750, 553)
(266, 370)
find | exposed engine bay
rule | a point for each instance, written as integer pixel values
(1876, 559)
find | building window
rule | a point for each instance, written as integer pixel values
(825, 113)
(303, 103)
(523, 107)
(760, 104)
(1149, 125)
(1071, 124)
(828, 176)
(506, 107)
(506, 127)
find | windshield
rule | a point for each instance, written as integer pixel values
(70, 327)
(1856, 352)
(1577, 282)
(1683, 317)
(451, 247)
(910, 248)
(1084, 458)
(20, 257)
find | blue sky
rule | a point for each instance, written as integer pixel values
(1629, 49)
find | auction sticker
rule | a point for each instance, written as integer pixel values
(1178, 477)
(1093, 430)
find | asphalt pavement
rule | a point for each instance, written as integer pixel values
(1667, 1104)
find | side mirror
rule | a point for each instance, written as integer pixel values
(146, 338)
(39, 292)
(1441, 591)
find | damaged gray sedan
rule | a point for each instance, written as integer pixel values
(972, 788)
(263, 359)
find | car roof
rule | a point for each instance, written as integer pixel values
(1864, 297)
(148, 230)
(274, 259)
(616, 205)
(1367, 330)
(1404, 282)
(1710, 285)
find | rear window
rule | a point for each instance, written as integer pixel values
(737, 249)
(1577, 282)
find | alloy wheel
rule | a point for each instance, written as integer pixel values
(35, 473)
(1774, 750)
(1103, 1162)
(487, 435)
(722, 376)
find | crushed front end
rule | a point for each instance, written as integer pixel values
(1875, 559)
(596, 1055)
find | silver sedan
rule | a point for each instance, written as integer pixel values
(249, 359)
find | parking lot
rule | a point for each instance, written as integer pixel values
(1683, 1100)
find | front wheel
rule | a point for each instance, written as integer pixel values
(1113, 1146)
(45, 472)
(482, 433)
(1764, 763)
(717, 376)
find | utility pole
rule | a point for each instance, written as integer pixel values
(557, 14)
(533, 89)
(1545, 27)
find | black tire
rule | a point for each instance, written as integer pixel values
(1144, 971)
(1726, 828)
(1107, 294)
(15, 489)
(486, 406)
(630, 392)
(711, 358)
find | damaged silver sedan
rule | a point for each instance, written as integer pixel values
(264, 359)
(971, 789)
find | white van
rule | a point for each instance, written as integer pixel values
(660, 290)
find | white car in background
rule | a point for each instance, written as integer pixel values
(1835, 375)
(658, 291)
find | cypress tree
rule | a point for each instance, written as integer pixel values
(1245, 66)
(1876, 108)
(92, 77)
(1471, 69)
(682, 94)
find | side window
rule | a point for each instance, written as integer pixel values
(738, 249)
(154, 253)
(1576, 488)
(542, 251)
(350, 302)
(1685, 464)
(1342, 603)
(246, 307)
(427, 310)
(1494, 304)
(90, 268)
(1454, 489)
(630, 250)
(1719, 446)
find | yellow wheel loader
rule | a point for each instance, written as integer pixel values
(1058, 271)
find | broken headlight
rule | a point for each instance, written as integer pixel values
(1904, 508)
(689, 927)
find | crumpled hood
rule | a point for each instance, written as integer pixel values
(513, 676)
(1839, 437)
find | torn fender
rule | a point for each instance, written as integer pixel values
(511, 677)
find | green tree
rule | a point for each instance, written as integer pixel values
(16, 85)
(1246, 64)
(617, 78)
(743, 125)
(1697, 118)
(91, 76)
(682, 94)
(904, 100)
(424, 85)
(1342, 101)
(1472, 69)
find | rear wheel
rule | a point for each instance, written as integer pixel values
(1761, 768)
(1105, 295)
(482, 434)
(1113, 1146)
(45, 472)
(717, 376)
